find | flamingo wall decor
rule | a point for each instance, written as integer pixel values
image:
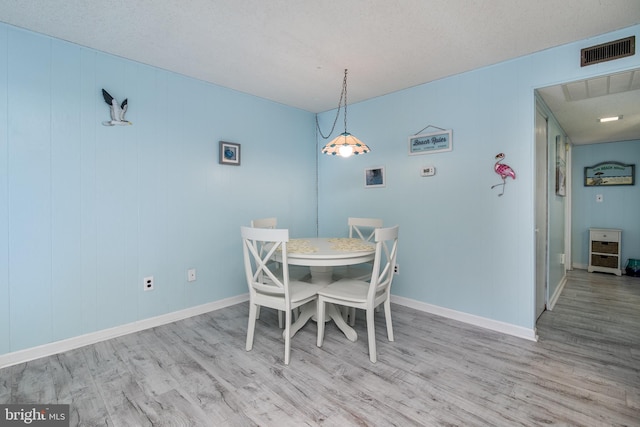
(504, 171)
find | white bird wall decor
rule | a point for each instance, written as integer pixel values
(117, 111)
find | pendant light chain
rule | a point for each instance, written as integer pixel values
(344, 89)
(343, 95)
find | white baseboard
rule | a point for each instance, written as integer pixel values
(483, 322)
(32, 353)
(26, 355)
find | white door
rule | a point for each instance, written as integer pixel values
(541, 212)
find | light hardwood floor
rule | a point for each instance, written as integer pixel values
(583, 371)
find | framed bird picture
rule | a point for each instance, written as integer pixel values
(229, 153)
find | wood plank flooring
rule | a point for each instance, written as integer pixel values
(583, 371)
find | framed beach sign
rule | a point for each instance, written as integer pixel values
(609, 173)
(429, 143)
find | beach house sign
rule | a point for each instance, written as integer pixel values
(428, 143)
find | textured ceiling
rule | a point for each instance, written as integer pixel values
(295, 51)
(578, 106)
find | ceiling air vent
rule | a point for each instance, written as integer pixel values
(608, 51)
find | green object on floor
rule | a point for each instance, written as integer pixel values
(633, 267)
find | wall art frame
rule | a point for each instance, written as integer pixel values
(429, 143)
(229, 153)
(561, 166)
(374, 177)
(609, 173)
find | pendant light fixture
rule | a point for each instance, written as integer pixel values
(344, 144)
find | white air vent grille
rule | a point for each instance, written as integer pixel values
(608, 51)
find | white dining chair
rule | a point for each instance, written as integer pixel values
(264, 223)
(269, 287)
(366, 295)
(295, 272)
(364, 229)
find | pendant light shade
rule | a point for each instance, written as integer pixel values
(345, 144)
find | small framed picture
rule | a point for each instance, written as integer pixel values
(229, 153)
(374, 177)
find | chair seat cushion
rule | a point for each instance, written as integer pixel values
(347, 289)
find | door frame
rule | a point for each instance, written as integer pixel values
(541, 203)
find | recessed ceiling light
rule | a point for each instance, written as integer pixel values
(609, 119)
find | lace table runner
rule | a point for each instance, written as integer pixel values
(341, 244)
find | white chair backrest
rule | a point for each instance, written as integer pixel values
(259, 268)
(363, 228)
(265, 223)
(384, 262)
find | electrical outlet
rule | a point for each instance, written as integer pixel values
(191, 275)
(396, 269)
(147, 283)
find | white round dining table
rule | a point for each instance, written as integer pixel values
(321, 254)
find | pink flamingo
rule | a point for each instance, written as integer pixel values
(504, 171)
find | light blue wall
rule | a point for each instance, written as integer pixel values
(620, 207)
(87, 211)
(461, 246)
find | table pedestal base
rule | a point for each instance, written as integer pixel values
(321, 274)
(309, 310)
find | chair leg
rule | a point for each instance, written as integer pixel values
(280, 319)
(320, 322)
(253, 312)
(387, 317)
(371, 333)
(258, 313)
(287, 337)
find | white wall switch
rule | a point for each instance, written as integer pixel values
(191, 275)
(599, 198)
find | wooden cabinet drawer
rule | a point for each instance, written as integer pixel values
(605, 236)
(604, 261)
(604, 247)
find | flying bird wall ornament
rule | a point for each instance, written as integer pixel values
(117, 110)
(504, 171)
